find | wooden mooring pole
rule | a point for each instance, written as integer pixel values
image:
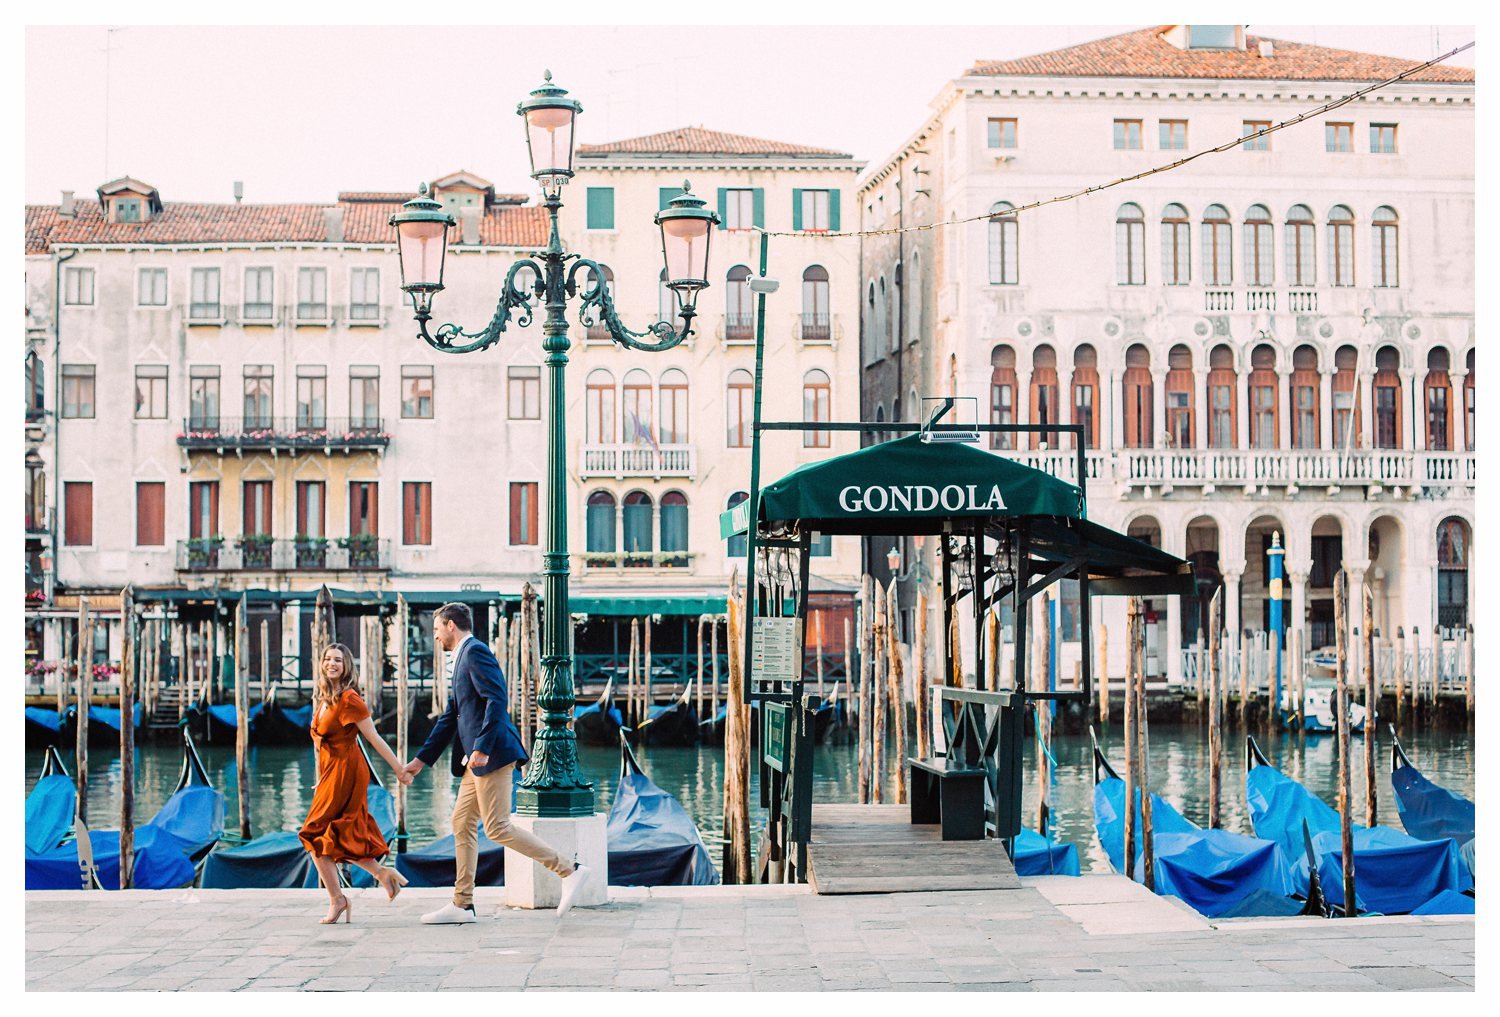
(1469, 676)
(897, 692)
(1101, 668)
(241, 661)
(866, 611)
(1341, 726)
(713, 662)
(1132, 619)
(85, 648)
(1043, 720)
(879, 694)
(1367, 660)
(1215, 710)
(403, 707)
(736, 862)
(921, 699)
(127, 736)
(1142, 748)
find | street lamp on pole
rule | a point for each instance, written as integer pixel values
(553, 785)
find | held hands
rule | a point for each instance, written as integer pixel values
(410, 770)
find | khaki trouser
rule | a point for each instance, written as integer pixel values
(487, 798)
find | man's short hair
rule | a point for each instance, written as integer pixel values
(459, 615)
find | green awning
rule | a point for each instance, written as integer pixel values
(1117, 564)
(911, 486)
(628, 607)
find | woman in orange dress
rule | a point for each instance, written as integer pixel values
(339, 826)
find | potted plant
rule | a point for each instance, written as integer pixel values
(203, 552)
(255, 550)
(364, 550)
(312, 552)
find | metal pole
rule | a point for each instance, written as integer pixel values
(752, 530)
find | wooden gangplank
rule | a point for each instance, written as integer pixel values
(876, 849)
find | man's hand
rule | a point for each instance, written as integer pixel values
(411, 769)
(478, 759)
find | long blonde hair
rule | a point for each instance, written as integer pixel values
(326, 691)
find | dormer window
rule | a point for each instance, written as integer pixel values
(454, 200)
(127, 210)
(1213, 37)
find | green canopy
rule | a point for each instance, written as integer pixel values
(646, 603)
(912, 486)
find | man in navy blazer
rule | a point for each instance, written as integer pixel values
(486, 749)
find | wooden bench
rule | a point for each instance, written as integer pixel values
(948, 793)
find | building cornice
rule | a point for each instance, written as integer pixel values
(676, 161)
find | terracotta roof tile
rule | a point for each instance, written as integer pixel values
(700, 141)
(1144, 53)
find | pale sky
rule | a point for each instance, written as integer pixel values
(300, 113)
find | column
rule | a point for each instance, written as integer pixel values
(1232, 628)
(1201, 402)
(1174, 541)
(1412, 424)
(1297, 621)
(1109, 421)
(1326, 416)
(1456, 435)
(1365, 393)
(1158, 406)
(1354, 618)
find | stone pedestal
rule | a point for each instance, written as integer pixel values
(528, 884)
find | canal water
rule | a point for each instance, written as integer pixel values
(281, 780)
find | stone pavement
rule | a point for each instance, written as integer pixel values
(1089, 932)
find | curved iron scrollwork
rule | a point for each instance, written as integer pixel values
(510, 298)
(594, 293)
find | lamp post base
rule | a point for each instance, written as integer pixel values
(528, 884)
(554, 803)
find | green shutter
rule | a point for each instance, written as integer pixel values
(664, 195)
(601, 208)
(796, 208)
(759, 202)
(723, 207)
(833, 209)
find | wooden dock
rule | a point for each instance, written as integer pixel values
(876, 849)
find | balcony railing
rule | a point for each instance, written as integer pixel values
(1302, 301)
(356, 554)
(654, 560)
(739, 327)
(1218, 300)
(1062, 465)
(292, 433)
(1260, 300)
(815, 327)
(1283, 467)
(639, 461)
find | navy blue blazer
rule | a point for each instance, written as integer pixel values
(477, 718)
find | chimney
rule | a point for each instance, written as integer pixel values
(468, 218)
(333, 224)
(66, 209)
(239, 191)
(1267, 49)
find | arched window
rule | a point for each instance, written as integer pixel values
(636, 527)
(1347, 419)
(1387, 397)
(739, 543)
(674, 529)
(1438, 396)
(1217, 270)
(1005, 247)
(635, 409)
(1453, 572)
(816, 323)
(599, 524)
(1306, 411)
(1176, 254)
(914, 293)
(1222, 397)
(674, 407)
(1385, 261)
(1130, 246)
(882, 315)
(869, 327)
(1258, 252)
(599, 402)
(668, 303)
(1086, 392)
(1301, 259)
(1044, 408)
(1265, 423)
(1341, 246)
(597, 332)
(1180, 429)
(1002, 395)
(892, 325)
(739, 318)
(816, 407)
(36, 387)
(1469, 402)
(1137, 390)
(738, 409)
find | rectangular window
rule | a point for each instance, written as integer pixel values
(150, 513)
(416, 392)
(1260, 144)
(1305, 401)
(1127, 134)
(1002, 132)
(203, 300)
(1002, 411)
(1213, 36)
(364, 503)
(1385, 416)
(1343, 411)
(203, 509)
(312, 294)
(416, 512)
(1173, 134)
(78, 286)
(127, 210)
(738, 415)
(203, 398)
(1263, 416)
(1327, 555)
(1383, 139)
(259, 379)
(364, 294)
(260, 296)
(601, 208)
(1083, 412)
(78, 390)
(364, 397)
(739, 208)
(1338, 137)
(1180, 418)
(150, 391)
(816, 397)
(1437, 418)
(312, 397)
(674, 410)
(151, 287)
(311, 503)
(78, 514)
(1221, 415)
(257, 508)
(813, 213)
(524, 393)
(523, 514)
(600, 402)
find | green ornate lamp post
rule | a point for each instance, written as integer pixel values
(553, 785)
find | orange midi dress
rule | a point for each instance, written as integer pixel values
(339, 824)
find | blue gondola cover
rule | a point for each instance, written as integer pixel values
(653, 841)
(433, 864)
(194, 816)
(1040, 856)
(1430, 811)
(49, 812)
(110, 716)
(1449, 902)
(382, 805)
(274, 860)
(160, 862)
(44, 718)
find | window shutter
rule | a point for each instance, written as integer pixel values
(759, 201)
(78, 514)
(601, 208)
(796, 208)
(150, 511)
(408, 514)
(516, 534)
(665, 194)
(833, 209)
(723, 207)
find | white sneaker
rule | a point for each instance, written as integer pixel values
(450, 914)
(572, 883)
